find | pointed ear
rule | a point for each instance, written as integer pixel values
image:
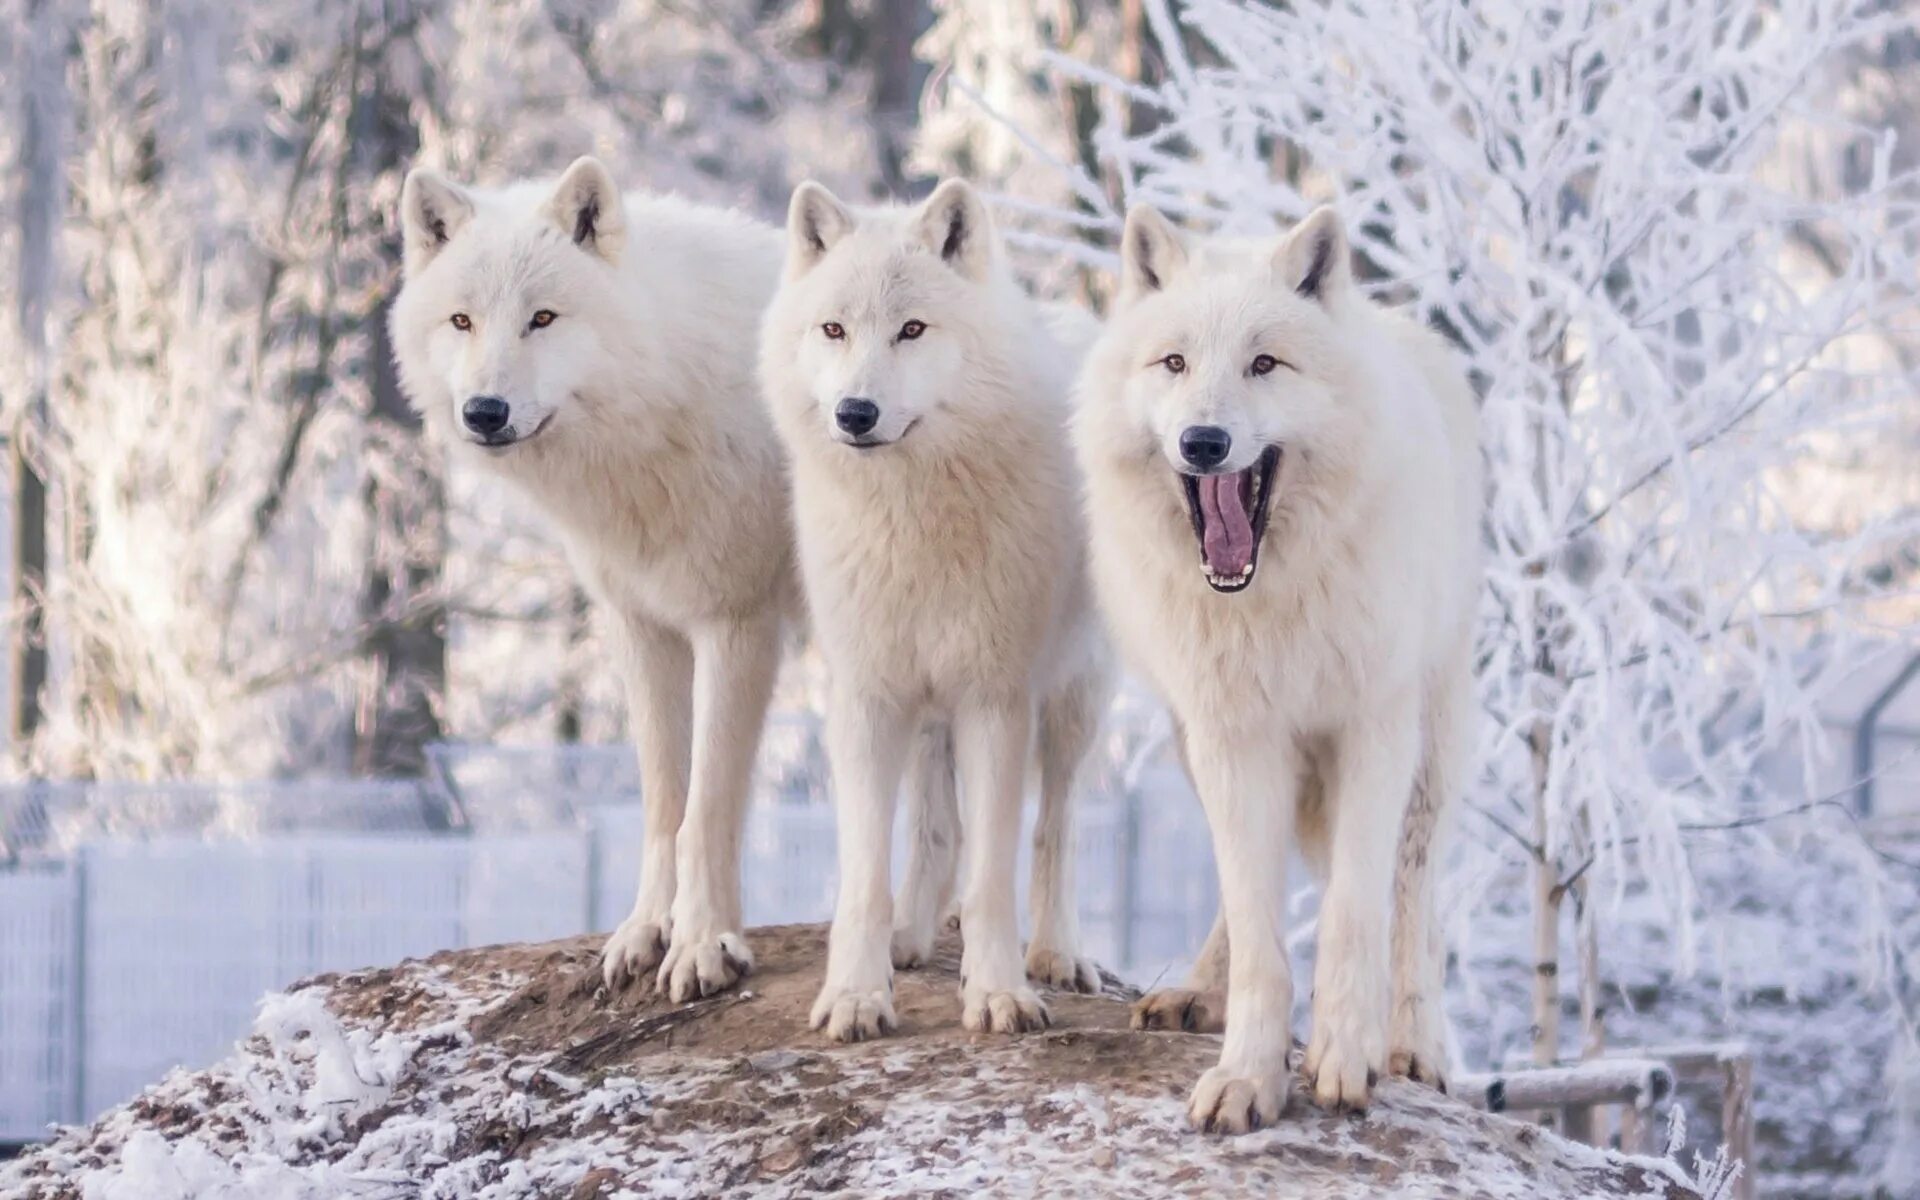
(1152, 252)
(954, 224)
(1314, 259)
(586, 206)
(432, 210)
(816, 221)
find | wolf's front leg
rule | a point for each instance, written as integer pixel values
(1372, 778)
(867, 741)
(991, 744)
(733, 671)
(657, 665)
(1248, 789)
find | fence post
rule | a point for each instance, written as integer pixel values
(77, 1110)
(593, 874)
(1736, 1121)
(1129, 872)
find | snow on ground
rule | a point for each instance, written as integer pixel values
(484, 1075)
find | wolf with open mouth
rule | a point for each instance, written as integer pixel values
(1249, 409)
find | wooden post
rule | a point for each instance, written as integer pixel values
(1636, 1131)
(1638, 1081)
(1731, 1063)
(1736, 1120)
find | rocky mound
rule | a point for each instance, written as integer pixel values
(505, 1072)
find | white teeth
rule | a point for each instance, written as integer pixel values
(1219, 580)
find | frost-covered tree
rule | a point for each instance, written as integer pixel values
(1672, 337)
(996, 113)
(257, 567)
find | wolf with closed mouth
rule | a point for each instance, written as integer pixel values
(593, 352)
(921, 396)
(1283, 491)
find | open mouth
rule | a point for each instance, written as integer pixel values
(1229, 515)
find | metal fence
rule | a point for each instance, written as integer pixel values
(139, 925)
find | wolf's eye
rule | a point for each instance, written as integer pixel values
(1264, 364)
(912, 330)
(834, 330)
(462, 322)
(543, 318)
(1174, 363)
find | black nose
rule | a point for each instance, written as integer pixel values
(857, 416)
(1205, 446)
(486, 415)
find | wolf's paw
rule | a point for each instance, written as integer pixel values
(1417, 1045)
(1409, 1064)
(633, 951)
(700, 966)
(1062, 969)
(1181, 1008)
(912, 948)
(853, 1014)
(1341, 1067)
(1015, 1010)
(1227, 1101)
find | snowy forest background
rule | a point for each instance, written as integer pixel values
(1678, 243)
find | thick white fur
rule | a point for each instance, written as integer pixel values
(945, 577)
(1327, 704)
(655, 460)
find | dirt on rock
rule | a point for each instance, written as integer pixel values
(509, 1071)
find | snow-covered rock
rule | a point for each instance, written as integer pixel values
(505, 1072)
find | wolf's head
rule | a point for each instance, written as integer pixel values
(878, 313)
(508, 301)
(1227, 362)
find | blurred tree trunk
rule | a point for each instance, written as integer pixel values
(43, 136)
(405, 498)
(27, 648)
(897, 79)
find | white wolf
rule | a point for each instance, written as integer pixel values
(922, 399)
(597, 355)
(1283, 486)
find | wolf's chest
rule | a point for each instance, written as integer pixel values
(919, 598)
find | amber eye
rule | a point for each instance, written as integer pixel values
(462, 322)
(1264, 364)
(912, 330)
(834, 331)
(544, 318)
(1174, 363)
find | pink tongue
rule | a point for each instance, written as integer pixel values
(1227, 530)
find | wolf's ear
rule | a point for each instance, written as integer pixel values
(1314, 259)
(816, 220)
(432, 210)
(954, 224)
(1152, 252)
(586, 206)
